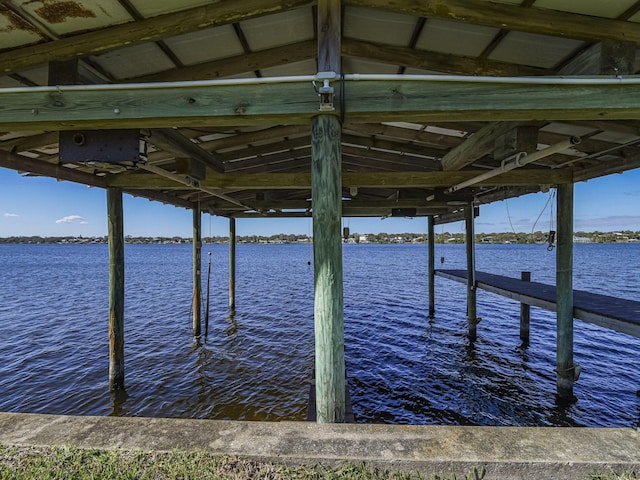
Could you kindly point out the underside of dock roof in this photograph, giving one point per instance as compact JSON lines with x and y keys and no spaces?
{"x":441,"y":103}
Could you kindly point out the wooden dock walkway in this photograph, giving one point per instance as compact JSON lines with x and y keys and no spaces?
{"x":614,"y":313}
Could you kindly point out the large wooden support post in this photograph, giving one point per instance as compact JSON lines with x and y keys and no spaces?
{"x":525,"y":313}
{"x":232,"y":263}
{"x":432,"y":267}
{"x":326,"y":186}
{"x":197,"y":270}
{"x":472,"y":318}
{"x":327,"y":256}
{"x":116,"y":288}
{"x":566,"y":372}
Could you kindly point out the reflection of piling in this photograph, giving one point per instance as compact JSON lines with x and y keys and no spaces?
{"x":116,"y":289}
{"x":525,"y":313}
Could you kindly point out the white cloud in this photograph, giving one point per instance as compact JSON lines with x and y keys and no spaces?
{"x":10,"y":215}
{"x":72,"y":219}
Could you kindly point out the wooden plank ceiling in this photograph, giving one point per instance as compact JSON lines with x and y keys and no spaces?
{"x":398,"y":162}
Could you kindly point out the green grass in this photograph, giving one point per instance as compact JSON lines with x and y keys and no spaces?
{"x":53,"y":463}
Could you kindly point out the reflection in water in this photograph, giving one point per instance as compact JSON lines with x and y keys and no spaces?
{"x":232,"y":329}
{"x":118,"y":399}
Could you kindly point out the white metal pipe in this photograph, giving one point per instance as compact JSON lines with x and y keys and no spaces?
{"x":518,"y":161}
{"x":349,"y":77}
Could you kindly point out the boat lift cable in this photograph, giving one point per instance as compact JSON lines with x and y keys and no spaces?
{"x":549,"y":241}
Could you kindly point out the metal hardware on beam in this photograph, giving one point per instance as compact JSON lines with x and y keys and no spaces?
{"x":515,"y":161}
{"x":325,"y":92}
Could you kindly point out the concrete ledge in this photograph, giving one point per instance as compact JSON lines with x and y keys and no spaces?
{"x":505,"y":452}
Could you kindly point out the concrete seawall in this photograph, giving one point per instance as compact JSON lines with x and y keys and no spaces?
{"x":505,"y":452}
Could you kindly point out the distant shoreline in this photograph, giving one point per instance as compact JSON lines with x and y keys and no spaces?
{"x":354,"y":238}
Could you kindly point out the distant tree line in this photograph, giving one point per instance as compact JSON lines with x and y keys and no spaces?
{"x":625,"y":236}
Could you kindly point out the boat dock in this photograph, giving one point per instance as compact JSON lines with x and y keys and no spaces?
{"x":618,"y":314}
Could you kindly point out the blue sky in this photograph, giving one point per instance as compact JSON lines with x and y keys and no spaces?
{"x":46,"y":207}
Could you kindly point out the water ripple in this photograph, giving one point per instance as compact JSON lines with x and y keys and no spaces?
{"x":402,"y":366}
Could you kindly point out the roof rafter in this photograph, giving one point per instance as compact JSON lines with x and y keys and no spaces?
{"x":226,"y":67}
{"x":409,"y":179}
{"x":436,"y":61}
{"x":148,"y":30}
{"x":513,"y":17}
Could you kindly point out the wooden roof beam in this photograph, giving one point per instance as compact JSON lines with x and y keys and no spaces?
{"x":391,"y":132}
{"x":513,"y":17}
{"x":476,"y":146}
{"x":288,"y":181}
{"x":603,"y":58}
{"x":264,"y":150}
{"x":138,"y":106}
{"x":53,"y":170}
{"x":240,"y":139}
{"x":436,"y":61}
{"x":148,"y":30}
{"x":227,"y":67}
{"x":174,"y":142}
{"x":398,"y":147}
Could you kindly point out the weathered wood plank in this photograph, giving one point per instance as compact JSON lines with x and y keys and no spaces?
{"x":616,"y":314}
{"x":211,"y":103}
{"x":258,"y":181}
{"x":347,"y":211}
{"x":519,"y":139}
{"x":329,"y":35}
{"x":435,"y":61}
{"x":476,"y":146}
{"x":266,"y":134}
{"x":603,"y":58}
{"x":513,"y":17}
{"x":148,"y":30}
{"x":226,"y":67}
{"x":173,"y":141}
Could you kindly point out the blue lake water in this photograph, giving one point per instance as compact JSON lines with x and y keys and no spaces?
{"x":403,"y":367}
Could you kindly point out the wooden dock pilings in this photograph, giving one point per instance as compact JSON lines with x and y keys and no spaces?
{"x":116,"y":288}
{"x":197,"y":271}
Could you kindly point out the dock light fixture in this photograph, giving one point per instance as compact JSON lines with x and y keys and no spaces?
{"x":325,"y":92}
